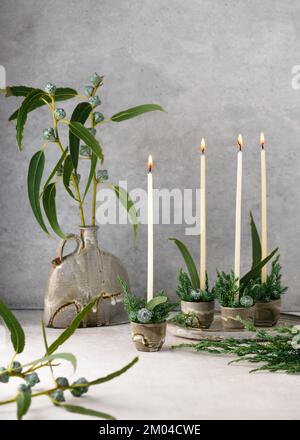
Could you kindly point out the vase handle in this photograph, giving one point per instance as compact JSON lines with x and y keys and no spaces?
{"x":61,"y":244}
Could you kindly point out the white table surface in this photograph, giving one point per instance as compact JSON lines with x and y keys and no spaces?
{"x":164,"y":385}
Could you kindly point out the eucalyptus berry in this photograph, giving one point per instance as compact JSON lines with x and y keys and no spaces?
{"x":50,"y":89}
{"x":102,"y":175}
{"x":58,"y":395}
{"x":78,"y":391}
{"x":17,"y":367}
{"x":144,"y":315}
{"x":92,"y":130}
{"x":32,"y":379}
{"x":59,"y":114}
{"x":96,"y":79}
{"x":23,"y":388}
{"x":49,"y":134}
{"x":4,"y":377}
{"x":62,"y":381}
{"x":98,"y":117}
{"x":94,"y":101}
{"x":85,"y":151}
{"x":246,"y":301}
{"x":196,"y":295}
{"x":88,"y":90}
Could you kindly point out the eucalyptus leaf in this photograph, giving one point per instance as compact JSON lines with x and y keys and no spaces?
{"x":191,"y":267}
{"x":253,"y":273}
{"x":50,"y":208}
{"x":68,"y":170}
{"x":79,"y":131}
{"x":16,"y":331}
{"x":135,"y":111}
{"x":86,"y":411}
{"x":44,"y":335}
{"x":115,"y":374}
{"x":80,"y":114}
{"x":23,"y":403}
{"x":56,"y":168}
{"x":51,"y":357}
{"x":18,"y":91}
{"x":31,"y":99}
{"x":65,"y":335}
{"x":128,"y":204}
{"x":94,"y":160}
{"x":61,"y":94}
{"x":156,"y":301}
{"x":35,"y":173}
{"x":256,"y":245}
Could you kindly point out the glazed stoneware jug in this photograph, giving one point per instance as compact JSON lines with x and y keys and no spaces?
{"x":78,"y":277}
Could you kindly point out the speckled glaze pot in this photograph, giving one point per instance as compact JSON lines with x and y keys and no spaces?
{"x":267,"y":314}
{"x":78,"y":277}
{"x":229,"y":316}
{"x":204,"y":311}
{"x":148,"y":337}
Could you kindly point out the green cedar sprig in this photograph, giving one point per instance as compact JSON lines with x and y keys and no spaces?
{"x":274,"y":350}
{"x":185,"y":320}
{"x":272,"y":289}
{"x":140,"y":311}
{"x":186,"y":292}
{"x":226,"y":289}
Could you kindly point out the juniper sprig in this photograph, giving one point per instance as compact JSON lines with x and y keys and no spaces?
{"x":274,"y":349}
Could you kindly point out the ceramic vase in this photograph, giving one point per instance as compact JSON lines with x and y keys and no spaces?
{"x":78,"y":277}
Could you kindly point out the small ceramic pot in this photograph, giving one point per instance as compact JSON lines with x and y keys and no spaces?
{"x":148,"y":337}
{"x":267,"y":313}
{"x":204,"y":311}
{"x":229,"y":316}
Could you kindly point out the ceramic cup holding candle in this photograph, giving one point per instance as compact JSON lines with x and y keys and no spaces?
{"x":148,"y":337}
{"x":203,"y":311}
{"x":230,"y":317}
{"x":267,"y":313}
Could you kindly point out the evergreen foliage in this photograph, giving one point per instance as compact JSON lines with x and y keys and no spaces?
{"x":158,"y":308}
{"x":274,"y":350}
{"x":186,"y":292}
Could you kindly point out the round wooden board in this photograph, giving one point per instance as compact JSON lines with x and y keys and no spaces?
{"x":217,"y":333}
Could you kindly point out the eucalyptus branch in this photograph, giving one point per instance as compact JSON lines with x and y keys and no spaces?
{"x":73,"y":179}
{"x":95,"y":183}
{"x":61,"y":384}
{"x":34,"y":99}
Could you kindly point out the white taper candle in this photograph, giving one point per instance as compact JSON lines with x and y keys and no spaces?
{"x":150,"y":231}
{"x":202,"y":218}
{"x":264,"y":249}
{"x":238,"y":210}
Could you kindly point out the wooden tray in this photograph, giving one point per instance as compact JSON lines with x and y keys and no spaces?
{"x":217,"y":333}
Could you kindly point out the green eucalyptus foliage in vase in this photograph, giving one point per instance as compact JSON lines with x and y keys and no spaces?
{"x":76,"y":278}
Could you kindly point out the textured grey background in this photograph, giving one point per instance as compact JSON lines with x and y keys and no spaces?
{"x":218,"y":67}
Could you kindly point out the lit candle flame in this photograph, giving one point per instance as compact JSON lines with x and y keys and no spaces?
{"x":202,"y":145}
{"x":150,"y":163}
{"x":262,"y":140}
{"x":240,"y":141}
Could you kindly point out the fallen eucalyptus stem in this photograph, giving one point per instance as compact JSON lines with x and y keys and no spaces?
{"x":56,"y":395}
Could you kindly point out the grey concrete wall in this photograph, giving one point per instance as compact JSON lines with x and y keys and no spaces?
{"x":218,"y":67}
